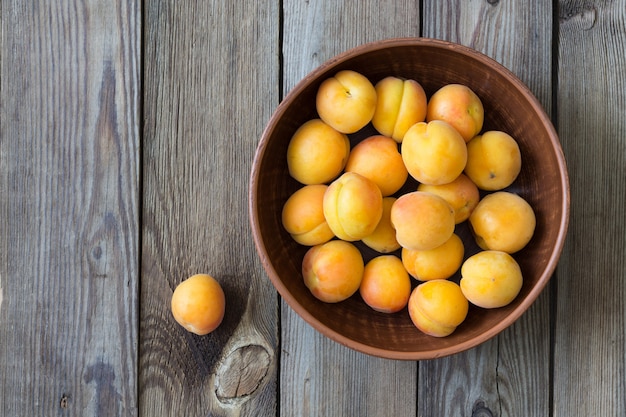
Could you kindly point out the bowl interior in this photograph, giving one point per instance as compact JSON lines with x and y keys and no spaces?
{"x":509,"y":106}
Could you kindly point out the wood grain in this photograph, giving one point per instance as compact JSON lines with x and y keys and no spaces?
{"x":85,"y":327}
{"x":591,"y":314}
{"x":69,"y":208}
{"x":318,"y":376}
{"x":493,"y":379}
{"x":211,"y":82}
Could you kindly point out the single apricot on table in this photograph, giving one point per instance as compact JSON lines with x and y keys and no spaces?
{"x":386,"y":285}
{"x":198,"y":304}
{"x":333,"y":270}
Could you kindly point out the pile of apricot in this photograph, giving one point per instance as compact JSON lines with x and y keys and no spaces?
{"x":357,"y":194}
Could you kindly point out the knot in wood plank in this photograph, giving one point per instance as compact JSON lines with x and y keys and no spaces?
{"x":480,"y":410}
{"x":108,"y":399}
{"x":241,"y":373}
{"x":582,"y":17}
{"x":64,"y":403}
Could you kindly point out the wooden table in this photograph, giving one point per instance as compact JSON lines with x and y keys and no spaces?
{"x":127,"y":135}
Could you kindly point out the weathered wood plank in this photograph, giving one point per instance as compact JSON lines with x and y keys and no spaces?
{"x":320,"y":377}
{"x":590,"y":345}
{"x":496,"y":377}
{"x":69,"y":208}
{"x":211,"y":82}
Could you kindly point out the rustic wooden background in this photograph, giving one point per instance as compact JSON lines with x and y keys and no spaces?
{"x":127,"y":134}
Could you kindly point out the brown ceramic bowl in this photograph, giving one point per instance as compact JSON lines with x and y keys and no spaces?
{"x":543,"y":182}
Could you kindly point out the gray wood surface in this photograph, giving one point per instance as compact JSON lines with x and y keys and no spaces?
{"x":127,"y":132}
{"x":590,"y":332}
{"x":69,"y":217}
{"x":69,"y":210}
{"x":210,"y":84}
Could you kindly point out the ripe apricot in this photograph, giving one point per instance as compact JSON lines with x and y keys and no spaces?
{"x":434,"y":152}
{"x":353,"y":206}
{"x":400,"y":104}
{"x":494,"y":160}
{"x":386,"y":285}
{"x":438,"y":263}
{"x":503,"y":221}
{"x":198,"y":304}
{"x":383,"y":238}
{"x":303,"y":216}
{"x":458,"y":105}
{"x":333,"y":270}
{"x":462,"y":195}
{"x":437,"y":307}
{"x":378,"y":158}
{"x":317,"y":153}
{"x":346,"y":101}
{"x":491,"y":279}
{"x":422,"y":220}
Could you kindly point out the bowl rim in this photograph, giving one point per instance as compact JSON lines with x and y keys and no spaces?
{"x":473,"y":341}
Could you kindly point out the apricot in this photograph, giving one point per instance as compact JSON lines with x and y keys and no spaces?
{"x":491,"y":279}
{"x":462,"y":195}
{"x":333,"y":270}
{"x":198,"y":304}
{"x":386,"y":285}
{"x":422,"y":220}
{"x":353,"y":206}
{"x":503,"y":221}
{"x":458,"y":105}
{"x":400,"y":104}
{"x":346,"y":101}
{"x":303,"y":216}
{"x":437,"y":307}
{"x":493,"y":160}
{"x":383,"y":238}
{"x":317,"y":153}
{"x":439,"y":263}
{"x":378,"y":158}
{"x":434,"y":152}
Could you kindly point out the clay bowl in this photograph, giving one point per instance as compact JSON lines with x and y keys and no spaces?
{"x":543,"y":182}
